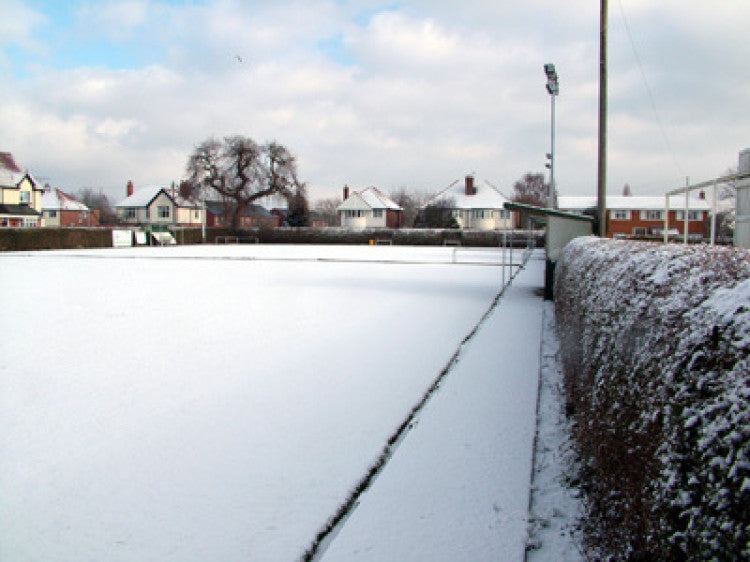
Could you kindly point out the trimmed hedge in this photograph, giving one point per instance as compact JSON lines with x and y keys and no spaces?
{"x":655,"y":349}
{"x":14,"y":239}
{"x":69,"y":238}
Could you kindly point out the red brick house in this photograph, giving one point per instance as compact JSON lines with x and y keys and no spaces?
{"x":643,"y":217}
{"x":61,"y":209}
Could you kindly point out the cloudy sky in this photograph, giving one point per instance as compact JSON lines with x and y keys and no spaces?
{"x":412,"y":93}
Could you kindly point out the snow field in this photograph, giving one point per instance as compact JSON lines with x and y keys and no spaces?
{"x":214,"y":405}
{"x":457,"y":487}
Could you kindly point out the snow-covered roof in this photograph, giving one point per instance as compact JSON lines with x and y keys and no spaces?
{"x":58,"y":200}
{"x":634,"y":203}
{"x":11,"y":173}
{"x":486,"y":196}
{"x":142,"y":197}
{"x":367,"y":199}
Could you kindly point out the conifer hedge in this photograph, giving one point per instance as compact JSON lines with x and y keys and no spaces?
{"x":655,"y":345}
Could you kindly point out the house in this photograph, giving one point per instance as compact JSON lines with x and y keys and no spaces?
{"x":60,"y":209}
{"x":369,"y":208}
{"x":643,"y":216}
{"x":219,"y":214}
{"x":158,"y":206}
{"x":20,"y":195}
{"x":476,"y":206}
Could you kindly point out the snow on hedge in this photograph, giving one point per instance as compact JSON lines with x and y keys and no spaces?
{"x":655,"y":344}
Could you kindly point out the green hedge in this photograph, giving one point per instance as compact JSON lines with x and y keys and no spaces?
{"x":13,"y":239}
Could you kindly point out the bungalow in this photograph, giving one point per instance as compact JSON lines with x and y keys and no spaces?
{"x":20,"y":195}
{"x":158,"y":206}
{"x":369,"y":208}
{"x":61,"y":209}
{"x":643,"y":216}
{"x":477,"y":207}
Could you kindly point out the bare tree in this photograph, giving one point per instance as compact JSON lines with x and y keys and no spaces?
{"x":241,"y":171}
{"x":410,"y":202}
{"x":98,"y":201}
{"x":726,"y":216}
{"x":326,"y":208}
{"x":531,"y":190}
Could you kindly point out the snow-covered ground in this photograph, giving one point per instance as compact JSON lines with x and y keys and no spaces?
{"x":198,"y":403}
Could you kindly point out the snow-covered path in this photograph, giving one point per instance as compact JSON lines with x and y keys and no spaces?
{"x":457,"y":488}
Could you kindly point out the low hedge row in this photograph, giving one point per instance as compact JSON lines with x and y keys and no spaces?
{"x":655,"y":345}
{"x":15,"y":239}
{"x":67,"y":238}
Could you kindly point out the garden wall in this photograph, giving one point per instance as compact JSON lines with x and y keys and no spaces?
{"x":655,"y":344}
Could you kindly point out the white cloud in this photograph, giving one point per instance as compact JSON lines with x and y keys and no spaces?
{"x":415,"y":95}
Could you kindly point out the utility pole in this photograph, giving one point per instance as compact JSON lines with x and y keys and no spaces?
{"x":602,"y":175}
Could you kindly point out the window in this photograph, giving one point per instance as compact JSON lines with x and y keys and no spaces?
{"x":640,"y":231}
{"x":620,"y":215}
{"x":478,"y":213}
{"x":504,"y":214}
{"x":197,"y":214}
{"x":24,"y":197}
{"x":692,"y":215}
{"x":353,"y":214}
{"x":163,"y":211}
{"x":377,"y":213}
{"x":652,"y":215}
{"x":52,"y":214}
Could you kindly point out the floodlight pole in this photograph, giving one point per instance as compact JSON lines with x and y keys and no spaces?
{"x":553,"y":87}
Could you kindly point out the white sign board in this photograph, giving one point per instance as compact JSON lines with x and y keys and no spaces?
{"x":122,"y":238}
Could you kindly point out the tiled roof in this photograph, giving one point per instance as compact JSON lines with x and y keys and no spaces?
{"x":141,"y":197}
{"x":11,"y":173}
{"x":486,"y":196}
{"x":370,"y":198}
{"x":24,"y":210}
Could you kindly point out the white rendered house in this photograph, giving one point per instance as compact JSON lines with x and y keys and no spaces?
{"x":369,"y":208}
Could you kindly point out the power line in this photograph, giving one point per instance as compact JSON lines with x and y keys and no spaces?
{"x":650,"y":93}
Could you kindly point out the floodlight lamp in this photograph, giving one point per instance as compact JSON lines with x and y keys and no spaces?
{"x":549,"y":156}
{"x":549,"y":69}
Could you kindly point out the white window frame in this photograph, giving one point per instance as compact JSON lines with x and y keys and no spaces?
{"x":652,"y":215}
{"x":377,"y":213}
{"x":24,"y":198}
{"x":162,"y":211}
{"x":692,"y":215}
{"x":620,"y":215}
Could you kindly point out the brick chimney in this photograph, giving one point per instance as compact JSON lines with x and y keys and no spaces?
{"x":346,"y":192}
{"x":130,"y":188}
{"x":701,"y":194}
{"x":470,"y":185}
